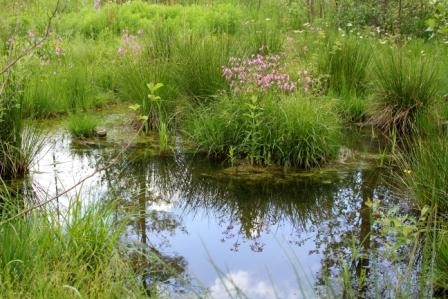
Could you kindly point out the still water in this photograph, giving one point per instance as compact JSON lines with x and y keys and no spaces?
{"x":276,"y":233}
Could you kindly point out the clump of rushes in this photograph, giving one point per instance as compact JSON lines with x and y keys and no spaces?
{"x":266,"y":130}
{"x":426,"y":173}
{"x":40,"y":258}
{"x":406,"y":89}
{"x":82,"y":125}
{"x":346,"y":65}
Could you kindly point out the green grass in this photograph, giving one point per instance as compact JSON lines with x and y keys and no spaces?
{"x":441,"y":263}
{"x":82,"y":125}
{"x":346,"y":62}
{"x":289,"y":131}
{"x":200,"y":59}
{"x":427,"y":173}
{"x":406,"y":90}
{"x":42,"y":258}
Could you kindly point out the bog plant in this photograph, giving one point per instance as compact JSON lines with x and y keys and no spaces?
{"x":426,"y":173}
{"x":82,"y":125}
{"x":263,"y":130}
{"x":406,"y":90}
{"x":346,"y":64}
{"x":42,"y":258}
{"x":151,"y":111}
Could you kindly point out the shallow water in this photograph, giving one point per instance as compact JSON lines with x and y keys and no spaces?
{"x":276,"y":233}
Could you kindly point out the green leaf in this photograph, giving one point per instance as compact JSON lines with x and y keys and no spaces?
{"x":134,"y":107}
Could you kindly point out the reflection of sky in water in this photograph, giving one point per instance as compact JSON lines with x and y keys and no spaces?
{"x":254,"y":233}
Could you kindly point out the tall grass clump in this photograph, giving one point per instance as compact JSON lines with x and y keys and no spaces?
{"x":19,"y":145}
{"x":42,"y":258}
{"x":58,"y":89}
{"x":346,"y":65}
{"x":406,"y":90}
{"x":266,"y":130}
{"x":82,"y":125}
{"x":426,"y":173}
{"x":200,"y":59}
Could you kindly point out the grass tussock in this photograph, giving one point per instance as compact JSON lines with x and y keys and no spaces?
{"x":42,"y":258}
{"x":346,"y":64}
{"x":406,"y":89}
{"x":287,"y":131}
{"x":426,"y":173}
{"x":441,"y":264}
{"x":82,"y":125}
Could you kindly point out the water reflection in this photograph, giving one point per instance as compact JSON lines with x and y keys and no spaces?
{"x":188,"y":209}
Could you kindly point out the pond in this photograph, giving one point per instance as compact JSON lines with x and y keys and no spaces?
{"x":272,"y":232}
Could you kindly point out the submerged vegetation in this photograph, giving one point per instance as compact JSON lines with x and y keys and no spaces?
{"x":251,"y":84}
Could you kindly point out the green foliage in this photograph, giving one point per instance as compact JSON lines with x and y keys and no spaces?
{"x":200,"y":60}
{"x":406,"y":89}
{"x":441,"y":262}
{"x":427,"y":172}
{"x":402,"y":17}
{"x":346,"y":64}
{"x":164,"y":137}
{"x":287,"y":131}
{"x":19,"y":145}
{"x":136,"y":15}
{"x":41,"y":258}
{"x":353,"y":109}
{"x":438,"y":23}
{"x":82,"y":125}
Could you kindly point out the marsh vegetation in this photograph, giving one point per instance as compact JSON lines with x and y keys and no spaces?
{"x":308,"y":136}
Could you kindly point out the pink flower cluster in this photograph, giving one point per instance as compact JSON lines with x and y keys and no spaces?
{"x":129,"y":43}
{"x":258,"y":72}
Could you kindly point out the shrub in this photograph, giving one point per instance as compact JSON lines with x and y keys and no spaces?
{"x":264,"y":130}
{"x":82,"y":125}
{"x":406,"y":89}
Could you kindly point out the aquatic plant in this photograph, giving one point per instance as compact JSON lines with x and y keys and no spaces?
{"x":288,"y":131}
{"x":199,"y":59}
{"x":164,"y":137}
{"x":406,"y":89}
{"x":82,"y":125}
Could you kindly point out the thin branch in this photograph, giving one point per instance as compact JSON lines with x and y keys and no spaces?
{"x":41,"y":204}
{"x":36,"y":43}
